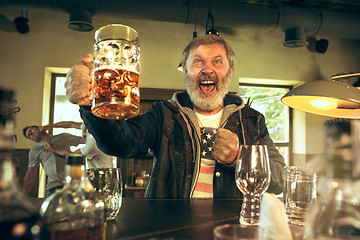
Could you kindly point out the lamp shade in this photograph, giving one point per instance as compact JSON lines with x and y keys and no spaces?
{"x":326,"y":98}
{"x":80,"y":19}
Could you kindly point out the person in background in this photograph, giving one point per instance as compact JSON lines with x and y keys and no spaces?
{"x":95,"y":158}
{"x":53,"y":164}
{"x":195,"y":136}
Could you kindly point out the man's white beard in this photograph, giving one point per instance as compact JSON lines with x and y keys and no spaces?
{"x":204,"y":102}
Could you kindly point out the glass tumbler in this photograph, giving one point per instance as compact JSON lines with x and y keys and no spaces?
{"x":299,"y":193}
{"x":117,"y":72}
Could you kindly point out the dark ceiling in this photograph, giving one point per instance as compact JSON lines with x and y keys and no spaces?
{"x":316,"y":17}
{"x":336,"y":5}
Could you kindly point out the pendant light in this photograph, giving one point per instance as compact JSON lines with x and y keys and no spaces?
{"x":80,"y":19}
{"x":212,"y":30}
{"x":334,"y":98}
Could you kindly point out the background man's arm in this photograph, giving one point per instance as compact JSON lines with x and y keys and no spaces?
{"x":29,"y":179}
{"x":63,"y":124}
{"x":61,"y":152}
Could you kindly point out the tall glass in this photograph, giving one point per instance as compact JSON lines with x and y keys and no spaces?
{"x":116,"y":76}
{"x":299,"y":193}
{"x":252,"y":176}
{"x":107,"y":182}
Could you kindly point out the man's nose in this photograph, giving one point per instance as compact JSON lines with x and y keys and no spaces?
{"x":207,"y":69}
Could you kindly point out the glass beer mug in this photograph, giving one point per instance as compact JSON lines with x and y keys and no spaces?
{"x":116,"y":75}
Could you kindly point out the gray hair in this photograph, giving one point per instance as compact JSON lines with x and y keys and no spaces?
{"x":207,"y":40}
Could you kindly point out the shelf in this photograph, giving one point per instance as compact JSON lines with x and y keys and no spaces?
{"x":134,"y":192}
{"x":134,"y":188}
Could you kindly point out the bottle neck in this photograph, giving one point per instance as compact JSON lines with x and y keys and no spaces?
{"x":75,"y":173}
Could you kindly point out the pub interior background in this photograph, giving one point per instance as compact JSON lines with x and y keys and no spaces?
{"x":51,"y":47}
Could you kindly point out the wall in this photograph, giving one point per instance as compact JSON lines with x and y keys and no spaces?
{"x":259,"y":54}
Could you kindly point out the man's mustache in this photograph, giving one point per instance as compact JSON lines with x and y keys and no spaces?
{"x":203,"y":77}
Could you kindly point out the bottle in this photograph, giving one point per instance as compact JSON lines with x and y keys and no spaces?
{"x":76,"y":211}
{"x":18,"y":217}
{"x":337,"y":212}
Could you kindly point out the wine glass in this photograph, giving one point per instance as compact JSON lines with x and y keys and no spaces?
{"x":107,"y":182}
{"x":252,"y":176}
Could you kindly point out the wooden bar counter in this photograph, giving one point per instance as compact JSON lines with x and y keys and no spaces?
{"x":171,"y":219}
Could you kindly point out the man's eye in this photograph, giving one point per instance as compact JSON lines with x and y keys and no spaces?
{"x":197,"y":62}
{"x":217,"y":62}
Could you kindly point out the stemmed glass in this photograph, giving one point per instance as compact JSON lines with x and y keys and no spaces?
{"x":107,"y":182}
{"x":252,"y":176}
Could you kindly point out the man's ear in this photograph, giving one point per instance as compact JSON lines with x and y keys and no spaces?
{"x":231,"y":72}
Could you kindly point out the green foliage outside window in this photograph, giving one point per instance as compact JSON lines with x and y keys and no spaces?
{"x":267,"y":100}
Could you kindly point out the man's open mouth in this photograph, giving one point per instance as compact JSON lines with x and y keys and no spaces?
{"x":207,"y":86}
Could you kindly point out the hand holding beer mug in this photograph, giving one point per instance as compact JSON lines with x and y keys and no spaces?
{"x":116,"y":75}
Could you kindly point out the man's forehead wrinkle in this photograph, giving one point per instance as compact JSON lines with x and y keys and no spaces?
{"x":200,"y":56}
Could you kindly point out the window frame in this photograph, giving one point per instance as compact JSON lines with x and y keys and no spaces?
{"x":53,"y":115}
{"x":54,"y":76}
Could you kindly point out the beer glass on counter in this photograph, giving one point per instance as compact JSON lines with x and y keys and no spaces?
{"x":116,"y":75}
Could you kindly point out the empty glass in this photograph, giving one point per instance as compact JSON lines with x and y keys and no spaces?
{"x":299,"y":193}
{"x":107,"y":182}
{"x":252,"y":176}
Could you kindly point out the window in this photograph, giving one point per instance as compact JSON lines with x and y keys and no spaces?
{"x":267,"y":100}
{"x":60,"y":107}
{"x":57,"y":109}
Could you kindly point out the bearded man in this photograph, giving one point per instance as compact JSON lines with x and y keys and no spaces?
{"x":195,"y":136}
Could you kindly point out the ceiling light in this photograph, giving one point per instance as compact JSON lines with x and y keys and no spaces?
{"x":352,"y":79}
{"x":180,"y":68}
{"x":80,"y":19}
{"x":212,"y":30}
{"x":295,"y":37}
{"x":326,"y":98}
